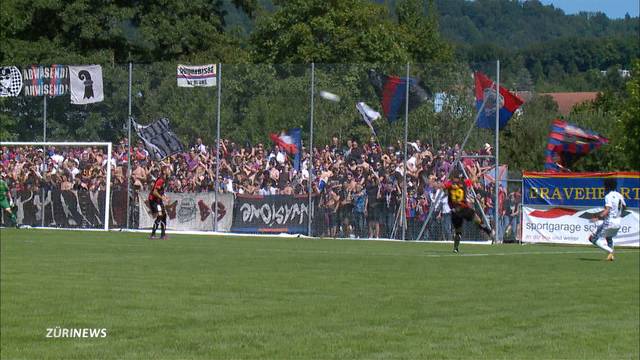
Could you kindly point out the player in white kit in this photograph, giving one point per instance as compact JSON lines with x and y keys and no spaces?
{"x":613,"y":206}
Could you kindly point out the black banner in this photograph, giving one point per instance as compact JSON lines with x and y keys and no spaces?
{"x":70,"y":208}
{"x":45,"y":80}
{"x":271,"y":214}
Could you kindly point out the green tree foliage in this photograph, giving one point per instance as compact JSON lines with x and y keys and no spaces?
{"x":70,"y":31}
{"x":421,"y":35}
{"x":630,"y":120}
{"x":519,"y":24}
{"x":336,"y":31}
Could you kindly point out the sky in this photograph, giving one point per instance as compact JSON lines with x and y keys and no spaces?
{"x":614,"y":9}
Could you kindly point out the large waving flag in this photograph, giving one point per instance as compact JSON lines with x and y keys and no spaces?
{"x":486,"y":91}
{"x":568,"y":143}
{"x":159,"y":139}
{"x":291,"y":142}
{"x":392,"y":92}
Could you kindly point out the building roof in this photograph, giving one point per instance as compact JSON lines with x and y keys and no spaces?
{"x":567,"y":100}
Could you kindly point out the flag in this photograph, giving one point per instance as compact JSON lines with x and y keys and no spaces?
{"x":291,"y":142}
{"x":10,"y":81}
{"x":567,"y":143}
{"x":158,"y":139}
{"x":368,"y":115}
{"x":490,"y":175}
{"x":86,"y":84}
{"x":392,"y":92}
{"x":199,"y":75}
{"x":486,"y":91}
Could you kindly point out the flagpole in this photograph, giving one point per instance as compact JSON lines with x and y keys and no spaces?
{"x":44,"y":151}
{"x":217,"y":185}
{"x":496,"y":204}
{"x":404,"y":182}
{"x":129,"y":150}
{"x":310,"y":151}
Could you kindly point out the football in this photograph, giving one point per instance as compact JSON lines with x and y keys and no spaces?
{"x":329,"y":96}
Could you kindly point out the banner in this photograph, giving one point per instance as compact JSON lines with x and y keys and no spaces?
{"x":193,"y":76}
{"x":10,"y":81}
{"x":190,"y":211}
{"x":573,"y":226}
{"x":577,"y":189}
{"x":271,"y":214}
{"x":86,"y":84}
{"x":45,"y":80}
{"x":158,"y":139}
{"x":558,"y":207}
{"x":70,"y":208}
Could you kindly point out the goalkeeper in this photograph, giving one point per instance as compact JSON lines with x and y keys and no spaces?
{"x":461,"y":210}
{"x":5,"y":199}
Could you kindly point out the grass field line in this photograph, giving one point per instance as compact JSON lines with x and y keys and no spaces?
{"x":351,"y":253}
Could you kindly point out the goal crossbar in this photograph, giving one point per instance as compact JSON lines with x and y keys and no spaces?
{"x":65,"y":143}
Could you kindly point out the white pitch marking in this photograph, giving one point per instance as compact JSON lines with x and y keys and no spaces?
{"x":442,"y":255}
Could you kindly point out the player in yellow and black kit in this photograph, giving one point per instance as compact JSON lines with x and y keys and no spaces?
{"x":461,"y":209}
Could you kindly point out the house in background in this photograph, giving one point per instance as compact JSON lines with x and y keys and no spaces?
{"x":567,"y":100}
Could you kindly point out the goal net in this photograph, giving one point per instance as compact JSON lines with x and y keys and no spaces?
{"x":59,"y":184}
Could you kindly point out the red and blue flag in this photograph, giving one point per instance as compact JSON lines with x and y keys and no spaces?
{"x":392,"y":92}
{"x":486,"y":93}
{"x":291,"y":142}
{"x":568,"y":143}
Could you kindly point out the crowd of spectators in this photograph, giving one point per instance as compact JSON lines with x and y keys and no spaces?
{"x":359,"y":185}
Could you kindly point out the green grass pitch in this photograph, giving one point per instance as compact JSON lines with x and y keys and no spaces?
{"x":215,"y":297}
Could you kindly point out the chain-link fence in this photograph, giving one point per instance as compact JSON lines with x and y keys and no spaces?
{"x":331,"y":150}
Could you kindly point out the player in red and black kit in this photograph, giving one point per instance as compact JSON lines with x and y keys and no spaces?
{"x":157,"y":205}
{"x":461,"y":209}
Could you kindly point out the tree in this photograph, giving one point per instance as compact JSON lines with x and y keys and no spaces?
{"x":77,"y":31}
{"x":630,"y":120}
{"x":336,"y":31}
{"x":421,"y":35}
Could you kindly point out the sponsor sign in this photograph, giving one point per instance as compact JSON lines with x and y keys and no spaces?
{"x":573,"y":226}
{"x":559,"y":207}
{"x":194,"y":76}
{"x":271,"y":214}
{"x":578,"y":189}
{"x":190,"y":211}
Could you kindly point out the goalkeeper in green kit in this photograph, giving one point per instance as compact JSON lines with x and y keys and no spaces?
{"x":5,"y":200}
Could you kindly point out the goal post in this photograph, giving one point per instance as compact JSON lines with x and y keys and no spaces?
{"x":108,"y":154}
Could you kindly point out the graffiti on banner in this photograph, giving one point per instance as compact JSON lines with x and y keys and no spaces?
{"x":45,"y":80}
{"x":271,"y":214}
{"x":190,"y":211}
{"x":69,"y":208}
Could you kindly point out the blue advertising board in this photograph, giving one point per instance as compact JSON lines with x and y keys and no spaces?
{"x":577,"y":189}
